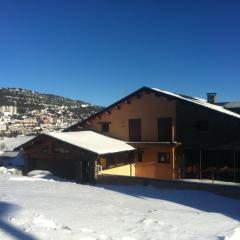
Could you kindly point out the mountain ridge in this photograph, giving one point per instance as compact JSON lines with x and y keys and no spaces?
{"x":28,"y":101}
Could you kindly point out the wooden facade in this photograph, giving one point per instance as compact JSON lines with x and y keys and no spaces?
{"x":207,"y":136}
{"x":68,"y":155}
{"x":60,"y":158}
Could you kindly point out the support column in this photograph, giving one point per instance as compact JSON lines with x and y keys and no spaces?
{"x":173,"y":163}
{"x":173,"y":154}
{"x":26,"y":164}
{"x":234,"y":165}
{"x":79,"y":171}
{"x":200,"y":164}
{"x":173,"y":133}
{"x":92,"y":172}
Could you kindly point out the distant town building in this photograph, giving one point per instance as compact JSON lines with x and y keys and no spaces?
{"x":3,"y":127}
{"x":47,"y":119}
{"x":8,"y":110}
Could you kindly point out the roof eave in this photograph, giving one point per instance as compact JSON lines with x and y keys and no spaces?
{"x":153,"y":90}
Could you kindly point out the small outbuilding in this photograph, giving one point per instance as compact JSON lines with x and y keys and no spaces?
{"x":73,"y":155}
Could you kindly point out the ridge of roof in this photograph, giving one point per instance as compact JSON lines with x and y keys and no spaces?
{"x":199,"y":102}
{"x":194,"y":100}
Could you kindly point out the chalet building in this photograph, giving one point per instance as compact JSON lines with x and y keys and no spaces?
{"x":176,"y":136}
{"x":163,"y":136}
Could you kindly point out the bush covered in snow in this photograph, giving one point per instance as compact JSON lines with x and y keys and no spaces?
{"x":42,"y":174}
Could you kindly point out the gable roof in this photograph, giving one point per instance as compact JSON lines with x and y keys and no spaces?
{"x":91,"y":141}
{"x":193,"y":100}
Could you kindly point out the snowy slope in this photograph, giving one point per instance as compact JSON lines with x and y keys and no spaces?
{"x":41,"y":209}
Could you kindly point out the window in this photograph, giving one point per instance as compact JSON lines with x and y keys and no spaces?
{"x":44,"y":150}
{"x":135,"y":131}
{"x":139,"y":155}
{"x":164,"y":129}
{"x":201,"y":125}
{"x":111,"y":161}
{"x":163,"y":157}
{"x":104,"y":126}
{"x":117,"y":159}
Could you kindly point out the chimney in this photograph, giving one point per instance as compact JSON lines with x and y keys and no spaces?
{"x":211,"y":97}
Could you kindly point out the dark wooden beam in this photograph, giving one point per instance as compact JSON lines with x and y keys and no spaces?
{"x":60,"y":156}
{"x":147,"y":91}
{"x":117,"y":107}
{"x":200,"y":164}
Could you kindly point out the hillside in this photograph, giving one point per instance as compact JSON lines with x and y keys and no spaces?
{"x":28,"y":102}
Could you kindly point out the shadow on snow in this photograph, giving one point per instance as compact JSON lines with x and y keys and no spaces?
{"x":200,"y":200}
{"x":6,"y":208}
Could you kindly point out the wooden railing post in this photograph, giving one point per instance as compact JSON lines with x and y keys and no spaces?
{"x":200,"y":164}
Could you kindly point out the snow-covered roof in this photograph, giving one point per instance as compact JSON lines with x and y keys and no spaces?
{"x":231,"y":105}
{"x":199,"y":102}
{"x":13,"y":143}
{"x":11,"y":154}
{"x":92,"y":141}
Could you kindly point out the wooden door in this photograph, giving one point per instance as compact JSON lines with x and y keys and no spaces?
{"x":165,"y":129}
{"x":135,"y":131}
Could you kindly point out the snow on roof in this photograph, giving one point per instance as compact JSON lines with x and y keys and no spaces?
{"x":199,"y":102}
{"x":13,"y":143}
{"x":92,"y":141}
{"x":232,"y":105}
{"x":11,"y":154}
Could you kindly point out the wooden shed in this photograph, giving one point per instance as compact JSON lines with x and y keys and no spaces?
{"x":71,"y":155}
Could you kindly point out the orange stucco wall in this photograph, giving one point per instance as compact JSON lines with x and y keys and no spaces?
{"x":126,"y":170}
{"x":148,"y":108}
{"x":150,"y":167}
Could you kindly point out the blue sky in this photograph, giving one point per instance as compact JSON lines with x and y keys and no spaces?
{"x":99,"y":50}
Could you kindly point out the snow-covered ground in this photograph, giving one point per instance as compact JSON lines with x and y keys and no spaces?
{"x":32,"y":208}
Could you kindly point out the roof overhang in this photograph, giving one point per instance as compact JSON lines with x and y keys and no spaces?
{"x":90,"y":141}
{"x":179,"y":97}
{"x":171,"y":144}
